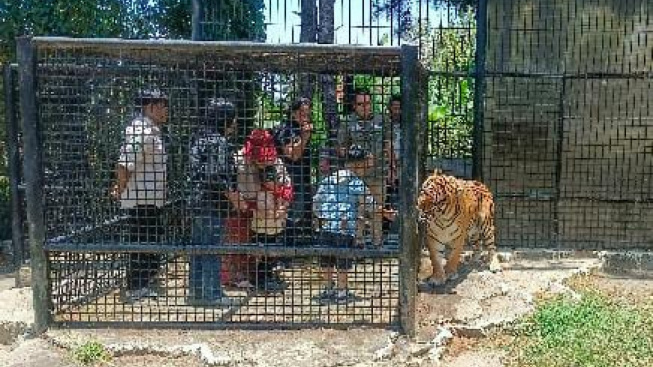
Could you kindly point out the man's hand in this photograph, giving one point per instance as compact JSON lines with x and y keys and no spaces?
{"x":390,"y":214}
{"x":387,"y":151}
{"x":115,"y":192}
{"x":281,"y":212}
{"x":306,"y":130}
{"x":237,"y":201}
{"x":122,"y":176}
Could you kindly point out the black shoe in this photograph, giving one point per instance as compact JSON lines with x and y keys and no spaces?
{"x":272,"y":283}
{"x":223,"y":301}
{"x":133,"y":296}
{"x":344,"y":296}
{"x":326,"y":297}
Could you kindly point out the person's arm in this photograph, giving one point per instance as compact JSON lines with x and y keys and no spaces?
{"x":387,"y":140}
{"x":375,"y":213}
{"x":281,"y":209}
{"x":228,"y":178}
{"x":305,"y":135}
{"x":284,"y":189}
{"x":237,"y":201}
{"x":122,"y":177}
{"x":130,"y":153}
{"x":343,"y":139}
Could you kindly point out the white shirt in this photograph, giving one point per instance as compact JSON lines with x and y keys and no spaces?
{"x":143,"y":154}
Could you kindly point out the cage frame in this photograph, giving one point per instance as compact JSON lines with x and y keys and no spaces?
{"x":413,"y":109}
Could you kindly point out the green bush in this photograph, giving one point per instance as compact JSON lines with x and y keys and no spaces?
{"x":90,"y":353}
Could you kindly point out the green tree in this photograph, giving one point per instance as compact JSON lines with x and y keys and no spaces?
{"x":403,"y":12}
{"x":233,"y":20}
{"x":448,"y":52}
{"x":116,"y":19}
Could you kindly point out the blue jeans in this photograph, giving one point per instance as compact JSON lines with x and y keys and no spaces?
{"x":204,"y":273}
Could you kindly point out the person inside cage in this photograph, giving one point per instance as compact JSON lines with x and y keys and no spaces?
{"x":265,"y":184}
{"x":214,"y":194}
{"x":372,"y":132}
{"x":344,"y":205}
{"x":141,"y":188}
{"x":293,"y":138}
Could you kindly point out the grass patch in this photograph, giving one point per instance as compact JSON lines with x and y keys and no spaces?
{"x":90,"y":353}
{"x":593,"y":331}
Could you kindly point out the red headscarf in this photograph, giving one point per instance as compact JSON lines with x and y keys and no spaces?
{"x":260,"y":147}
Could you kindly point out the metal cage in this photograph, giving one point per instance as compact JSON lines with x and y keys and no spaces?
{"x":77,"y":98}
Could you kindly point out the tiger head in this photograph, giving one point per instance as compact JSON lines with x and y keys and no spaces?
{"x":434,"y":194}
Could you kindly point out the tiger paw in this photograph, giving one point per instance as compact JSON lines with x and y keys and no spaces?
{"x":436,"y":282}
{"x":495,"y":266}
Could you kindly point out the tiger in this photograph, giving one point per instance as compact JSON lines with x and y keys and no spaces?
{"x":456,"y":211}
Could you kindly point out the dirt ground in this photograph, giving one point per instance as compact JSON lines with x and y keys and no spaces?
{"x":635,"y":290}
{"x":480,"y":352}
{"x":477,"y":299}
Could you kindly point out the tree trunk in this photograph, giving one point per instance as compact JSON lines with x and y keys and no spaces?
{"x":308,"y":31}
{"x":328,"y":84}
{"x":307,"y":34}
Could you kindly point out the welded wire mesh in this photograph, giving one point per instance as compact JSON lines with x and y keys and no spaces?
{"x":567,"y":123}
{"x":190,"y":183}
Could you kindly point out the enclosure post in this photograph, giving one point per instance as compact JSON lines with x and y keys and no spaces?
{"x":33,"y":168}
{"x":328,"y":82}
{"x":14,"y":173}
{"x":479,"y":90}
{"x":408,"y":184}
{"x":197,"y":19}
{"x":558,"y":168}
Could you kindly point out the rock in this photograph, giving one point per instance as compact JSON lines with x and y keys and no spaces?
{"x":476,"y":359}
{"x":35,"y":353}
{"x":16,"y":314}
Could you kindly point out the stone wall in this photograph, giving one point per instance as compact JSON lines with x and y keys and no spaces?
{"x":568,"y":127}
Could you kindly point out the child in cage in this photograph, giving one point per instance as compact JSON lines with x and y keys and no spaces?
{"x":343,"y":206}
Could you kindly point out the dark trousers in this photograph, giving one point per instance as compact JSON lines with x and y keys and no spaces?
{"x":145,"y":226}
{"x":265,"y":267}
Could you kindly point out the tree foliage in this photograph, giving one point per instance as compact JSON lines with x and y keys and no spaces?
{"x":449,"y":53}
{"x":403,"y":13}
{"x":129,"y":19}
{"x":233,"y":20}
{"x":230,"y":20}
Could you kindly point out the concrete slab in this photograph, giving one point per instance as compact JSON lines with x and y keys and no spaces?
{"x":469,"y":306}
{"x":36,"y":353}
{"x":16,"y":314}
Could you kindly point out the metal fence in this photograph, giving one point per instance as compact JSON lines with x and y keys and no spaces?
{"x":190,"y":257}
{"x":19,"y":251}
{"x":567,"y":123}
{"x":545,"y":101}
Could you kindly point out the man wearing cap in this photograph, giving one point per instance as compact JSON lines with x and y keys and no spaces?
{"x":141,"y":188}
